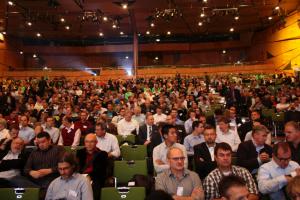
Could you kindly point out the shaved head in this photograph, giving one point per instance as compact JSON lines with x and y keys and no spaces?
{"x":90,"y":142}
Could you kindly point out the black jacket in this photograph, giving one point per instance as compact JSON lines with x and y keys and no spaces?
{"x":100,"y":162}
{"x":19,"y":163}
{"x":142,"y":135}
{"x":247,"y":155}
{"x":203,"y":161}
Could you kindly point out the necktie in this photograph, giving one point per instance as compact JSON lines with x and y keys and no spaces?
{"x":150,"y":131}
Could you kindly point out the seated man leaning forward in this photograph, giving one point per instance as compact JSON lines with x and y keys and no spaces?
{"x":181,"y":183}
{"x":70,"y":185}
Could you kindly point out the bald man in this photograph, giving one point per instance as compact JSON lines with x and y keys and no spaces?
{"x":179,"y":182}
{"x":93,"y":161}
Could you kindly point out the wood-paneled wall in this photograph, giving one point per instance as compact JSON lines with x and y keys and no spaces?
{"x":280,"y":44}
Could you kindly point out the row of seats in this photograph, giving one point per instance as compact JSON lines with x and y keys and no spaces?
{"x":108,"y":193}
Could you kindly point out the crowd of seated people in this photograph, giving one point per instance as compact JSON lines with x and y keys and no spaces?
{"x":196,"y":131}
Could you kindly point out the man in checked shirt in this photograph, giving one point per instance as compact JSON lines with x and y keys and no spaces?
{"x":223,"y":154}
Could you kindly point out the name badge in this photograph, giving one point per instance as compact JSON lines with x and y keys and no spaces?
{"x":179,"y":191}
{"x":72,"y":193}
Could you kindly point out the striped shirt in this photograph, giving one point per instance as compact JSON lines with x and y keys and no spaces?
{"x":213,"y":179}
{"x":44,"y":159}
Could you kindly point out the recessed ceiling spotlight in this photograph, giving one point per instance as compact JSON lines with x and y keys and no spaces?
{"x":34,"y":55}
{"x":114,"y":26}
{"x":200,"y":23}
{"x":157,"y":40}
{"x":10,"y":3}
{"x":105,"y":18}
{"x":277,"y":8}
{"x":29,"y":24}
{"x":121,"y":33}
{"x":124,"y":6}
{"x":4,"y":33}
{"x":152,"y":24}
{"x":236,"y":17}
{"x":204,"y":1}
{"x":127,"y":57}
{"x":224,"y":51}
{"x":101,"y":34}
{"x":62,"y":19}
{"x":169,"y":33}
{"x":156,"y":58}
{"x":270,"y":18}
{"x":231,"y":29}
{"x":202,"y":15}
{"x":21,"y":52}
{"x":148,"y":32}
{"x":38,"y":35}
{"x":67,"y":27}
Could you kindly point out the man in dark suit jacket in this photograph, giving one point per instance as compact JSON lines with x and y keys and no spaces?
{"x":147,"y":132}
{"x":253,"y":153}
{"x":93,"y":161}
{"x":204,"y":153}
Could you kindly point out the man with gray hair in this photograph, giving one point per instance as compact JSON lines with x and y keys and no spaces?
{"x":178,"y":181}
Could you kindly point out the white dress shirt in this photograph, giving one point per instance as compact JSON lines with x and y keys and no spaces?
{"x":159,"y":118}
{"x":4,"y":134}
{"x":109,"y":143}
{"x":53,"y":132}
{"x":125,"y":128}
{"x":231,"y":138}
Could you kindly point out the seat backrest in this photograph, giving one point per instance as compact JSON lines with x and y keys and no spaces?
{"x":19,"y":193}
{"x":125,"y":170}
{"x":132,"y":193}
{"x":134,"y":152}
{"x":129,"y":139}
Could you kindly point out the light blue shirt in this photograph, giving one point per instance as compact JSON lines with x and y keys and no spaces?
{"x":26,"y":133}
{"x":76,"y":187}
{"x":190,"y":141}
{"x":271,"y":179}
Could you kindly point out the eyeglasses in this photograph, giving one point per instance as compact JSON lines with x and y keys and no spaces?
{"x":284,"y":159}
{"x":178,"y":158}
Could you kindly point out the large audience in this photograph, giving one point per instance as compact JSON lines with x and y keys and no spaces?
{"x":208,"y":137}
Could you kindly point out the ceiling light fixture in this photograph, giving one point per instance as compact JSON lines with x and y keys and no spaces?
{"x":157,"y":40}
{"x":29,"y":24}
{"x":10,"y":3}
{"x":231,"y":29}
{"x":21,"y":52}
{"x":38,"y":35}
{"x":114,"y":26}
{"x":200,"y":23}
{"x":67,"y":27}
{"x":156,"y":58}
{"x":124,"y":6}
{"x":277,"y":8}
{"x":101,"y":34}
{"x":169,"y":33}
{"x":270,"y":18}
{"x":62,"y":19}
{"x":224,"y":51}
{"x":34,"y":55}
{"x":121,"y":33}
{"x":4,"y":33}
{"x":148,"y":32}
{"x":152,"y":24}
{"x":127,"y":57}
{"x":105,"y":18}
{"x":236,"y":17}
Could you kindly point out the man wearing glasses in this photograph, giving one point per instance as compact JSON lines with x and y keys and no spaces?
{"x":276,"y":174}
{"x":179,"y":182}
